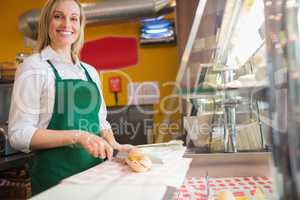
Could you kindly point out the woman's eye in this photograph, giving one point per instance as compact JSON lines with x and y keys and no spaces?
{"x":57,"y":16}
{"x":75,"y":19}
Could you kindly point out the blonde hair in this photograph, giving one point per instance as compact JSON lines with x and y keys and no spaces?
{"x":44,"y":22}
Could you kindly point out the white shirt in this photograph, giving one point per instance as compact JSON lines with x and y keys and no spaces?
{"x":34,"y":95}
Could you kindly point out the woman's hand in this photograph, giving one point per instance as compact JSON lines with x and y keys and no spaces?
{"x":109,"y":137}
{"x":124,"y":148}
{"x":95,"y":145}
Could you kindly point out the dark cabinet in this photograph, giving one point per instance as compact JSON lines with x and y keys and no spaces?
{"x":131,"y":124}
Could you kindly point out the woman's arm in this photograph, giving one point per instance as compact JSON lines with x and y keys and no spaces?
{"x":44,"y":139}
{"x":25,"y":108}
{"x":25,"y":129}
{"x":95,"y":145}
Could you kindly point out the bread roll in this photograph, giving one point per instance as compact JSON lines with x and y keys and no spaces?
{"x":225,"y":195}
{"x":137,"y":161}
{"x":259,"y":195}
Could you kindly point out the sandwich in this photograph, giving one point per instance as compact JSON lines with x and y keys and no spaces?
{"x":225,"y":195}
{"x":138,"y":161}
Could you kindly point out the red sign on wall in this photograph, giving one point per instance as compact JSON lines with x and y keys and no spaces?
{"x":111,"y":52}
{"x":115,"y":84}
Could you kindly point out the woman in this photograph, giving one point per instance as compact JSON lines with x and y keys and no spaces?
{"x":57,"y":102}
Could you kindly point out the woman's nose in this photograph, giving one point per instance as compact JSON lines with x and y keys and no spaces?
{"x":66,"y":22}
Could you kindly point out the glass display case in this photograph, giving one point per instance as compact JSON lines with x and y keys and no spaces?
{"x":226,"y":90}
{"x":240,"y":84}
{"x":224,"y":80}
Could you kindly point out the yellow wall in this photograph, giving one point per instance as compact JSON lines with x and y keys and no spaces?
{"x":155,"y":63}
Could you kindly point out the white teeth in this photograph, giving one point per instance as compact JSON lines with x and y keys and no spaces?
{"x":65,"y":32}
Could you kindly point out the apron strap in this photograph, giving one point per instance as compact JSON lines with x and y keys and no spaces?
{"x":57,"y":76}
{"x":86,"y":73}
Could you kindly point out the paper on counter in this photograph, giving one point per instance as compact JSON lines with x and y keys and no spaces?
{"x":114,"y":180}
{"x":160,"y":154}
{"x":171,"y":173}
{"x":108,"y":192}
{"x":166,"y":154}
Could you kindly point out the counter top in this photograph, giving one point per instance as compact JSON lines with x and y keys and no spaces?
{"x":230,"y":164}
{"x":15,"y":160}
{"x":128,"y":186}
{"x":115,"y":180}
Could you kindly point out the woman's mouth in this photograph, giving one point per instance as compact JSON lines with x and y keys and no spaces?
{"x":64,"y":32}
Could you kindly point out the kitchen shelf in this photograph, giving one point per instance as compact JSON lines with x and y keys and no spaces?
{"x":259,"y":92}
{"x":6,"y":82}
{"x":15,"y":160}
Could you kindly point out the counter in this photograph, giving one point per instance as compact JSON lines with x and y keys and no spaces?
{"x":230,"y":164}
{"x":215,"y":165}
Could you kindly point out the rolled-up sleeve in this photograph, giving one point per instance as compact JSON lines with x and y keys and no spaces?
{"x":25,"y":105}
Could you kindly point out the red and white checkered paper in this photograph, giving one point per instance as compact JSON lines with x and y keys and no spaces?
{"x":196,"y":188}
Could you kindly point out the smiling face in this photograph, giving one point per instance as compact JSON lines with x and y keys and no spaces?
{"x":64,"y":27}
